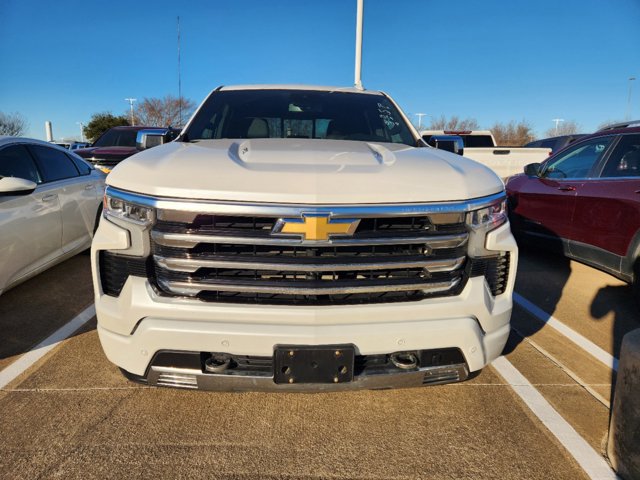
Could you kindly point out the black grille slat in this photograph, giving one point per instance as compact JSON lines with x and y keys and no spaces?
{"x":262,"y":226}
{"x":116,"y":268}
{"x":290,"y":286}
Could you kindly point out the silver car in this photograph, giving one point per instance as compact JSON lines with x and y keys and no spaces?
{"x":50,"y":202}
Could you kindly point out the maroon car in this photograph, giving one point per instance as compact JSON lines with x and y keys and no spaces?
{"x":584,"y":201}
{"x":118,"y":143}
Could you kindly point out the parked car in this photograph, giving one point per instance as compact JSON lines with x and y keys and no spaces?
{"x":585,"y":202}
{"x":555,"y":143}
{"x":77,"y":145}
{"x":118,"y":143}
{"x":50,"y":203}
{"x":480,"y":145}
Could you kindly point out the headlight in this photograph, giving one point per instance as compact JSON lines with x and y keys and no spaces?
{"x":129,"y":212}
{"x":489,"y":217}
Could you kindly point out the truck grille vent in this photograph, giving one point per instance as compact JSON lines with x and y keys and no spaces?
{"x":116,"y":268}
{"x":237,"y":259}
{"x":495,"y":270}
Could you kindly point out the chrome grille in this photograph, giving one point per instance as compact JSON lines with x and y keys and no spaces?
{"x":225,"y":258}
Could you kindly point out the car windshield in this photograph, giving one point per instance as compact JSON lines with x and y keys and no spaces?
{"x":117,"y":138}
{"x":299,"y":114}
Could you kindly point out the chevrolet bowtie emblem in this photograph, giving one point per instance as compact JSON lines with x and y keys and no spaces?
{"x":316,"y":227}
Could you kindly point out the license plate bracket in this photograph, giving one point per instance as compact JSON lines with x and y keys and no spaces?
{"x":313,"y":364}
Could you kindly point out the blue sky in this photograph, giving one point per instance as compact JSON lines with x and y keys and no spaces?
{"x":491,"y":60}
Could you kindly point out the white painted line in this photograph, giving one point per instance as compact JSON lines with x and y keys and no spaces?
{"x":591,"y":462}
{"x":36,"y":353}
{"x":567,"y":370}
{"x":587,"y":345}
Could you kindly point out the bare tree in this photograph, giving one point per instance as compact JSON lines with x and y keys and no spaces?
{"x":453,"y":123}
{"x":608,"y":122}
{"x":565,"y":128}
{"x":512,"y":134}
{"x":13,"y":125}
{"x":163,"y":112}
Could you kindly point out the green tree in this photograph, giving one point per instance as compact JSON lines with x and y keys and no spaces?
{"x":101,"y":122}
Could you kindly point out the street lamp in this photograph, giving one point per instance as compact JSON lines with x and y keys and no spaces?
{"x":628,"y":117}
{"x":81,"y":130}
{"x":131,"y":100}
{"x":420,"y":115}
{"x":557,"y":120}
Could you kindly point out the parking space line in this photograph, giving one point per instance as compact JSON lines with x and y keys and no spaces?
{"x":589,"y":460}
{"x":12,"y":371}
{"x":587,"y":345}
{"x":567,"y":370}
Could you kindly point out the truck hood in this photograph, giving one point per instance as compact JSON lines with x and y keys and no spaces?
{"x":303,"y":171}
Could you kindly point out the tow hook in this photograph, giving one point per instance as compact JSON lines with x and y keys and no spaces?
{"x":404,"y":360}
{"x":217,"y":363}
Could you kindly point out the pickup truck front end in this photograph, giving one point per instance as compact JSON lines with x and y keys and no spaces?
{"x":222,"y":294}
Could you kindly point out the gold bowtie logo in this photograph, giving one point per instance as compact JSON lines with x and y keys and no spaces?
{"x":316,"y":227}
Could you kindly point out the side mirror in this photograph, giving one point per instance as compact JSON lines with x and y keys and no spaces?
{"x":449,"y":143}
{"x":16,"y":186}
{"x":532,"y":170}
{"x":150,"y":138}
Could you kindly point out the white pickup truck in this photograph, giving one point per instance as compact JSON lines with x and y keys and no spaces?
{"x":480,"y":145}
{"x":302,"y":238}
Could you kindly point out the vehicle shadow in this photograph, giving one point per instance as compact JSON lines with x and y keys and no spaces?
{"x":32,"y":311}
{"x":543,"y":272}
{"x":618,"y":301}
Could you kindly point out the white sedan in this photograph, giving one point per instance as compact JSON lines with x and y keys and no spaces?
{"x":50,"y":202}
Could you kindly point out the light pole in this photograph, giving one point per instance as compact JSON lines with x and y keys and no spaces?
{"x":81,"y":130}
{"x":420,"y":115}
{"x":358,"y":69}
{"x":628,"y":117}
{"x":131,"y":100}
{"x":557,"y":120}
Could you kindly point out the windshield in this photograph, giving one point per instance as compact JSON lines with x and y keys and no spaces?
{"x":117,"y":138}
{"x":299,"y":114}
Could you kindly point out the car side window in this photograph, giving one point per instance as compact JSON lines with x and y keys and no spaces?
{"x":625,"y":158}
{"x":578,"y":161}
{"x":16,"y":161}
{"x":82,"y":167}
{"x":54,"y":164}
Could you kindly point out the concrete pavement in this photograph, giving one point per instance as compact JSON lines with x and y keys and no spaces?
{"x":72,"y":415}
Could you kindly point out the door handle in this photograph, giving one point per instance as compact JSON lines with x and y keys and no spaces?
{"x":49,"y":198}
{"x":567,"y":188}
{"x":89,"y":187}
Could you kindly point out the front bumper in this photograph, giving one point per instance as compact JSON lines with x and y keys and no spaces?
{"x":139,"y":323}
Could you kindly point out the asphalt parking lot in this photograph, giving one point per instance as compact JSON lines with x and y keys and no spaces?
{"x":72,"y":415}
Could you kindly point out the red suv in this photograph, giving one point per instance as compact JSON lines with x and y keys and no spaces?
{"x":585,"y":202}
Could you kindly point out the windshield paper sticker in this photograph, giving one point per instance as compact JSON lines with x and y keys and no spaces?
{"x":386,"y":116}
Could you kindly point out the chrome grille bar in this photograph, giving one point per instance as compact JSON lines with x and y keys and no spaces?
{"x":193,"y":289}
{"x":191,"y":265}
{"x":186,"y":240}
